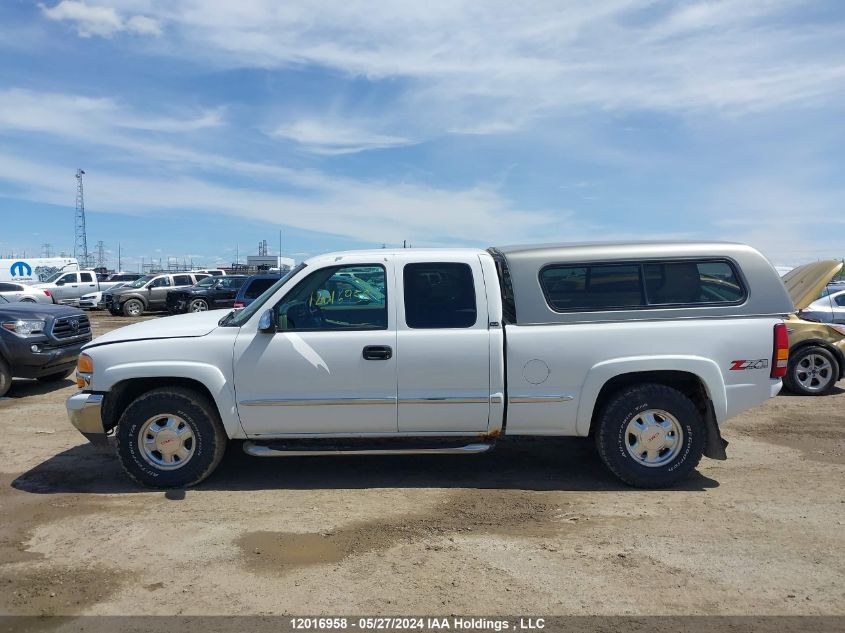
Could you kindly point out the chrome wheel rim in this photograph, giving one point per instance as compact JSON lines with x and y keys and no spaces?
{"x":813,"y":372}
{"x":198,"y":306}
{"x":166,"y":442}
{"x":653,"y":438}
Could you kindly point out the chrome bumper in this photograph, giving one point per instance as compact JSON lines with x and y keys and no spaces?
{"x":84,"y":411}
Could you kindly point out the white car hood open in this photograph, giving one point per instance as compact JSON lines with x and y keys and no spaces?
{"x":180,"y":326}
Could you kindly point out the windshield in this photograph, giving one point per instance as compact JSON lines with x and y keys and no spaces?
{"x":140,"y":283}
{"x":237,"y":319}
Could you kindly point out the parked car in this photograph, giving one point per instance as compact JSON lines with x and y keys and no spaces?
{"x":149,"y":293}
{"x":816,"y":350}
{"x":649,"y":348}
{"x":94,"y":300}
{"x":27,"y":294}
{"x":829,"y":308}
{"x":211,"y":293}
{"x":253,"y":287}
{"x":39,"y":341}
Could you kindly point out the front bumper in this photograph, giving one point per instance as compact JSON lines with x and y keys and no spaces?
{"x":85,"y":412}
{"x":50,"y":359}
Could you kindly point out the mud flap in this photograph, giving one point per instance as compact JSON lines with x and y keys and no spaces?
{"x":714,"y":445}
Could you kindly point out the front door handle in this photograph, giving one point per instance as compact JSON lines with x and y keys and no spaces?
{"x":378,"y":352}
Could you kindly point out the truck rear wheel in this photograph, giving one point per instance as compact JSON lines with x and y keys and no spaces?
{"x":170,"y":437}
{"x":812,"y":371}
{"x":133,"y":308}
{"x":650,"y":435}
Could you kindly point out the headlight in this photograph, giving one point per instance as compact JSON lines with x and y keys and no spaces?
{"x":84,"y":369}
{"x":24,"y":327}
{"x":838,"y":328}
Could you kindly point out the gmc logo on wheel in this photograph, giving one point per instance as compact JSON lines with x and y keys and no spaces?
{"x":741,"y":365}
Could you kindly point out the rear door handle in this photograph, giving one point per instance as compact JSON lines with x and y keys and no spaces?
{"x":378,"y":352}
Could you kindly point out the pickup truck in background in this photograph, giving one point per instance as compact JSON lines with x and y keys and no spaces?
{"x":39,"y":341}
{"x":69,"y":287}
{"x":648,"y":348}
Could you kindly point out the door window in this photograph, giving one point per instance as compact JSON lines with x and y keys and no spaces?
{"x":840,"y":300}
{"x":439,"y":296}
{"x":86,"y":277}
{"x":160,"y":282}
{"x":70,"y":278}
{"x":334,"y":299}
{"x":182,"y":280}
{"x":9,"y":288}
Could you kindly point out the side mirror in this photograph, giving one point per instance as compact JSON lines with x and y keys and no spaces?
{"x":60,"y":283}
{"x":265,"y":323}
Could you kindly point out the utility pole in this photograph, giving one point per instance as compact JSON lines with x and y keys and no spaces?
{"x":119,"y":268}
{"x":80,"y":246}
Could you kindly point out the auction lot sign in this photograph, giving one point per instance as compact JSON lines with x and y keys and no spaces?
{"x":427,"y":623}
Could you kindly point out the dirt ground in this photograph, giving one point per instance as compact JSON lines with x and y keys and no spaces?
{"x":535,"y":526}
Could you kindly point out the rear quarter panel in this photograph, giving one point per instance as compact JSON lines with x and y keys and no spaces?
{"x":581,"y":357}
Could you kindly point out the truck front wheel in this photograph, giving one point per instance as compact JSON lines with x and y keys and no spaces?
{"x":5,"y":377}
{"x":650,"y":435}
{"x":170,"y":437}
{"x":133,"y":308}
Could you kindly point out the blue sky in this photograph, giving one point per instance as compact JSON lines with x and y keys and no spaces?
{"x":206,"y":126}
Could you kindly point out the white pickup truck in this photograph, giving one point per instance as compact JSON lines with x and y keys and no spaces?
{"x":69,"y":287}
{"x":648,"y":348}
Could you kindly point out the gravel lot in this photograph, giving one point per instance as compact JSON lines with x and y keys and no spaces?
{"x":535,"y":526}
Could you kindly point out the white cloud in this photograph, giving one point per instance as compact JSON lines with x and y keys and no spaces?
{"x":335,"y":137}
{"x":372,"y":212}
{"x":99,"y":20}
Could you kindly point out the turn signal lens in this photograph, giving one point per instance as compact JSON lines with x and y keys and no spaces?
{"x":780,"y":353}
{"x":85,"y":364}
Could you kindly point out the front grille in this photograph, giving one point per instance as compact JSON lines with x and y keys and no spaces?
{"x":107,"y":299}
{"x":71,"y":327}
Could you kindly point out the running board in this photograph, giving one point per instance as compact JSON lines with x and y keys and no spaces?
{"x":288,"y":450}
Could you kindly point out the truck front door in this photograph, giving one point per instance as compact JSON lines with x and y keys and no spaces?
{"x":67,"y":287}
{"x":329,"y":366}
{"x":443,"y":346}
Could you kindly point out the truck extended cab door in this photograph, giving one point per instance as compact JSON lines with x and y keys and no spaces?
{"x":443,"y":345}
{"x":330,"y":366}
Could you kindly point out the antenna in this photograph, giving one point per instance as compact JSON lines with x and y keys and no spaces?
{"x":80,"y":246}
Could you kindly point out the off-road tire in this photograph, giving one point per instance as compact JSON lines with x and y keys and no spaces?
{"x":610,"y":435}
{"x":5,"y":377}
{"x":57,"y":376}
{"x":129,"y":307}
{"x":791,"y":381}
{"x":196,"y":410}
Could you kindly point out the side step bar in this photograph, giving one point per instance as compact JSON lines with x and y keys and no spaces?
{"x":281,"y":450}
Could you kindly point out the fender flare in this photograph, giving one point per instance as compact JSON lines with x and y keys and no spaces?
{"x":210,"y":376}
{"x":705,"y":369}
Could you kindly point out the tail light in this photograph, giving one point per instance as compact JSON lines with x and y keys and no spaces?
{"x":47,"y":292}
{"x":780,"y":354}
{"x":239,"y":304}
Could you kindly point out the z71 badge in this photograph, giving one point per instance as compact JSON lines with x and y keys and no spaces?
{"x":739,"y":365}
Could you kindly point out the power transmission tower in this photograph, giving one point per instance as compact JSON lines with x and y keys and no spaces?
{"x":101,"y":254}
{"x":80,"y":246}
{"x":47,"y":250}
